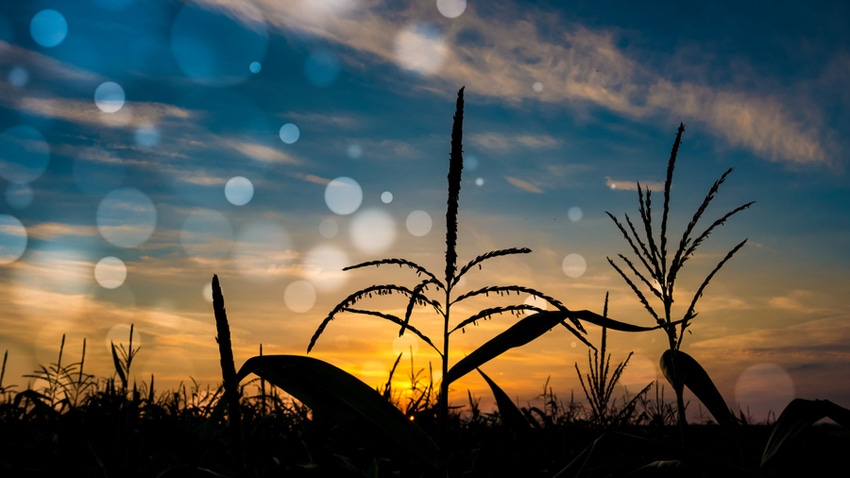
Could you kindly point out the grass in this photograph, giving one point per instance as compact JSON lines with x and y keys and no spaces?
{"x":111,"y":432}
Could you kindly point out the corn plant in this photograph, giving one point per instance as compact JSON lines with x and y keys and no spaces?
{"x":339,"y":394}
{"x":446,"y":296}
{"x":655,"y":271}
{"x":122,"y":359}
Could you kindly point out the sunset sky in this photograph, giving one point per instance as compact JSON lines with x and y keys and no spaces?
{"x":146,"y":145}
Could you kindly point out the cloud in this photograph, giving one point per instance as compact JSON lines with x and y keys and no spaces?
{"x":806,"y":342}
{"x":524,"y":185}
{"x":46,"y":66}
{"x":52,"y":230}
{"x":85,"y":111}
{"x":622,"y":185}
{"x":760,"y":124}
{"x":577,"y":66}
{"x":260,"y":152}
{"x":337,"y":120}
{"x":311,"y":178}
{"x":503,"y":142}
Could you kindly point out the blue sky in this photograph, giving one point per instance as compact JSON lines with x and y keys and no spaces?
{"x":145,"y":145}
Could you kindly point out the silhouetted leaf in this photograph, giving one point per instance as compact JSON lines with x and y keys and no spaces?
{"x":118,"y":367}
{"x":687,"y":372}
{"x":508,"y":411}
{"x":800,"y":414}
{"x":517,"y":335}
{"x":334,"y":393}
{"x":523,"y":332}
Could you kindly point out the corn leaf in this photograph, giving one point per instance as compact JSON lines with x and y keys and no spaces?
{"x":685,"y":371}
{"x":526,"y":330}
{"x":517,"y":335}
{"x":334,"y":393}
{"x":118,"y":366}
{"x":800,"y":414}
{"x":508,"y":411}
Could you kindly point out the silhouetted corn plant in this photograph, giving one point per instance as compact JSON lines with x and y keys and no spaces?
{"x":122,"y":359}
{"x":656,"y":272}
{"x":523,"y":332}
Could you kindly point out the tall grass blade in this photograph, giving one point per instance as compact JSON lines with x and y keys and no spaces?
{"x":342,"y":397}
{"x":388,"y":388}
{"x":3,"y":370}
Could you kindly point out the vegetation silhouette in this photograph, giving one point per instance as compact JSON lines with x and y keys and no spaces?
{"x":658,"y":276}
{"x":318,"y":420}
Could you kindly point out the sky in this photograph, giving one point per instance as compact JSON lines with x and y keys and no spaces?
{"x":147,"y":145}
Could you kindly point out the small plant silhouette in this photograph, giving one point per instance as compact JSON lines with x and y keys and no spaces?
{"x":657,"y":272}
{"x":65,"y":384}
{"x":598,"y":384}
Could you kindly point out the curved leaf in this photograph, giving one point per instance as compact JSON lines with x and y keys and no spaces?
{"x":508,"y":411}
{"x":800,"y":414}
{"x":601,"y":321}
{"x":517,"y":335}
{"x":342,"y":397}
{"x":685,"y":371}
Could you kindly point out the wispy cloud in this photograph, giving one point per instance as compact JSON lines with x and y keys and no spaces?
{"x":524,"y":185}
{"x":259,"y":152}
{"x":811,"y":341}
{"x":623,"y":185}
{"x":54,"y":230}
{"x":503,"y":142}
{"x":760,"y":124}
{"x":84,"y":111}
{"x":51,"y":67}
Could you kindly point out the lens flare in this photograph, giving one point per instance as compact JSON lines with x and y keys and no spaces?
{"x":110,"y":272}
{"x":574,"y":265}
{"x":419,"y":223}
{"x":343,"y":196}
{"x":109,"y":97}
{"x":48,"y":28}
{"x":126,"y":217}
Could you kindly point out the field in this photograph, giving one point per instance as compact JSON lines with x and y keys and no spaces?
{"x":292,"y":415}
{"x":82,"y":426}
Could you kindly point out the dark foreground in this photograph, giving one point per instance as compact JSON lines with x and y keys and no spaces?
{"x":135,"y":438}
